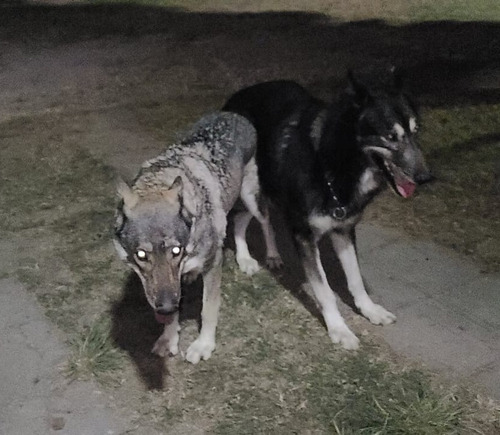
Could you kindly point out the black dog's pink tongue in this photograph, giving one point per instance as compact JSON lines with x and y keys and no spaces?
{"x":406,"y":188}
{"x":404,"y":184}
{"x":160,"y":318}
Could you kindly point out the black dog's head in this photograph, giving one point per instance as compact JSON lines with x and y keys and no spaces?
{"x":386,"y":131}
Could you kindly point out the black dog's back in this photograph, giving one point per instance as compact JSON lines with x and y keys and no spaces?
{"x":278,"y":110}
{"x":267,"y":103}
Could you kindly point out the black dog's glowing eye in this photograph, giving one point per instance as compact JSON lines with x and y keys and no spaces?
{"x":392,"y":137}
{"x":176,"y":250}
{"x":141,"y":255}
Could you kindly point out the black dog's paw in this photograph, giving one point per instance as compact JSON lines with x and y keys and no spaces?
{"x":274,"y":263}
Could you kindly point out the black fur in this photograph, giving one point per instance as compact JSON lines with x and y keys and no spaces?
{"x":322,"y":164}
{"x":303,"y":173}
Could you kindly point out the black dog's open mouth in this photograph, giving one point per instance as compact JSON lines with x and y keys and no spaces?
{"x":401,"y":183}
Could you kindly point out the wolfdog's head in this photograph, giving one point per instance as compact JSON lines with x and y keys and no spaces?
{"x":386,"y":131}
{"x":151,"y":234}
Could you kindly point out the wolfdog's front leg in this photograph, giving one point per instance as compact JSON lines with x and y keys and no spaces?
{"x":346,"y":252}
{"x":168,"y":343}
{"x":204,"y":345}
{"x":338,"y":330}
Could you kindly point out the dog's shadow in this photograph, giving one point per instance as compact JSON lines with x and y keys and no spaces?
{"x":291,"y":276}
{"x":135,"y":330}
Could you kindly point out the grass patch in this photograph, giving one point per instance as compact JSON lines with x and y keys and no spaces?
{"x":395,"y":10}
{"x":455,"y":10}
{"x":273,"y":374}
{"x":274,"y":370}
{"x":94,"y":353}
{"x":378,"y":400}
{"x":168,"y":122}
{"x":60,"y":201}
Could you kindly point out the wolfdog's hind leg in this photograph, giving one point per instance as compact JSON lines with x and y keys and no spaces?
{"x":245,"y":261}
{"x":273,"y":258}
{"x":168,"y":343}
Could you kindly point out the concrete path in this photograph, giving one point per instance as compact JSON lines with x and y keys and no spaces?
{"x":448,"y":312}
{"x":35,"y":398}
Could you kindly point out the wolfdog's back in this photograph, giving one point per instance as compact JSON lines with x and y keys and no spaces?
{"x":211,"y":158}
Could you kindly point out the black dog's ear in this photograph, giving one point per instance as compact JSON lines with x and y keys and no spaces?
{"x":357,"y":89}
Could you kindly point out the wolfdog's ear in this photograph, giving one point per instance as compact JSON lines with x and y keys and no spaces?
{"x":360,"y":91}
{"x":129,"y":197}
{"x":176,"y":187}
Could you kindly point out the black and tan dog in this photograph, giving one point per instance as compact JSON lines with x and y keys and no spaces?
{"x":322,"y":164}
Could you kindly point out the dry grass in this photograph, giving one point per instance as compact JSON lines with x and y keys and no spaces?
{"x":398,"y":11}
{"x":274,"y":370}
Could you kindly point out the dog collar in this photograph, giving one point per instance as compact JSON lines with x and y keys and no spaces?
{"x":338,"y":211}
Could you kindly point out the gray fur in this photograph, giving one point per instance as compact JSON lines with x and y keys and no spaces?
{"x":179,"y":202}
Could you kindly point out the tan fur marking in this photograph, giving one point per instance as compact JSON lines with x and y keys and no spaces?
{"x":174,"y":192}
{"x":130,"y":198}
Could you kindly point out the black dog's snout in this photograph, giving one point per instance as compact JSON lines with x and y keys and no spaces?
{"x":424,"y":177}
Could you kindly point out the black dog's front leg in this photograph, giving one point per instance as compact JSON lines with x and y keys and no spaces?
{"x":338,"y":330}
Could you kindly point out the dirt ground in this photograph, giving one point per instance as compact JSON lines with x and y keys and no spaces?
{"x":121,"y":80}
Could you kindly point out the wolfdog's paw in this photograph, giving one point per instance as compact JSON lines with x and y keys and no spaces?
{"x":378,"y":315}
{"x":345,"y":337}
{"x":200,"y":349}
{"x":248,"y":265}
{"x":165,"y":346}
{"x":274,"y":263}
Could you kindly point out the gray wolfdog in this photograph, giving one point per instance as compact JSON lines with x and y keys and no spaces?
{"x":171,"y":223}
{"x":322,"y":164}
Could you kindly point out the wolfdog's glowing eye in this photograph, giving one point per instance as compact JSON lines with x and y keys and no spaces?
{"x":176,"y":250}
{"x":392,"y":137}
{"x":142,"y":255}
